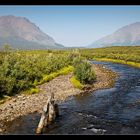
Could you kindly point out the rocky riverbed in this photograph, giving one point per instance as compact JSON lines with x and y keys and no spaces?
{"x":61,"y":87}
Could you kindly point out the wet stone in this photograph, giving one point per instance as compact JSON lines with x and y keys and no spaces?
{"x":90,"y":126}
{"x":98,"y":130}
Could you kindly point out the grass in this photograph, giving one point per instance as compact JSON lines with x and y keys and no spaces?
{"x":63,"y":71}
{"x":34,"y":90}
{"x":134,"y":64}
{"x":129,"y":55}
{"x":31,"y":91}
{"x":76,"y":83}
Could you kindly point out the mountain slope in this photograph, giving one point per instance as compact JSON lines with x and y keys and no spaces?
{"x":126,"y":36}
{"x":21,"y":33}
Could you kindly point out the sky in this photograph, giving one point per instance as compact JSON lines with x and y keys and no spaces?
{"x":76,"y":25}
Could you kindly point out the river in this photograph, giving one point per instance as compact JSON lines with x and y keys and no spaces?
{"x":108,"y":111}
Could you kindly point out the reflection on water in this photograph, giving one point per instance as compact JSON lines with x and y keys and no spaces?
{"x":109,"y":111}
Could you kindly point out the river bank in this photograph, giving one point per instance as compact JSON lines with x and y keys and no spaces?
{"x":129,"y":63}
{"x":61,"y":87}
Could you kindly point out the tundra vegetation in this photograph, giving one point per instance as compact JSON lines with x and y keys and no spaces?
{"x":129,"y":55}
{"x":22,"y":71}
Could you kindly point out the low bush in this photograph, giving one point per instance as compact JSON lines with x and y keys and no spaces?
{"x":22,"y":70}
{"x":83,"y":71}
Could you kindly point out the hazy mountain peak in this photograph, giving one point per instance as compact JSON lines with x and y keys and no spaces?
{"x":20,"y":31}
{"x":127,"y":35}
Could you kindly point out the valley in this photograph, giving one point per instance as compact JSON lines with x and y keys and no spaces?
{"x":74,"y":69}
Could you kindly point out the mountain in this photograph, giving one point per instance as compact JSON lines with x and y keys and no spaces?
{"x":19,"y":32}
{"x":126,"y":36}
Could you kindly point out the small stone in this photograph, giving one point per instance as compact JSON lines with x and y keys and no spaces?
{"x":89,"y":115}
{"x":95,"y":117}
{"x":84,"y":128}
{"x":98,"y":130}
{"x":20,"y":96}
{"x":23,"y":98}
{"x":14,"y":100}
{"x":1,"y":130}
{"x":90,"y":126}
{"x":80,"y":114}
{"x":23,"y":103}
{"x":11,"y":106}
{"x":94,"y":130}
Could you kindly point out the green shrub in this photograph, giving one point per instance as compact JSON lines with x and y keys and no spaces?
{"x":83,"y":71}
{"x":22,"y":70}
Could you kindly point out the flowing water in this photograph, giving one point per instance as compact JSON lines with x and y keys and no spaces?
{"x":108,"y":111}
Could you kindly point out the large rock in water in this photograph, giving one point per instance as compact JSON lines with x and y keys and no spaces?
{"x":19,"y":32}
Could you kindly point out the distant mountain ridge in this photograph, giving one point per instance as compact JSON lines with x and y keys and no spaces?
{"x":19,"y":32}
{"x":126,"y":36}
